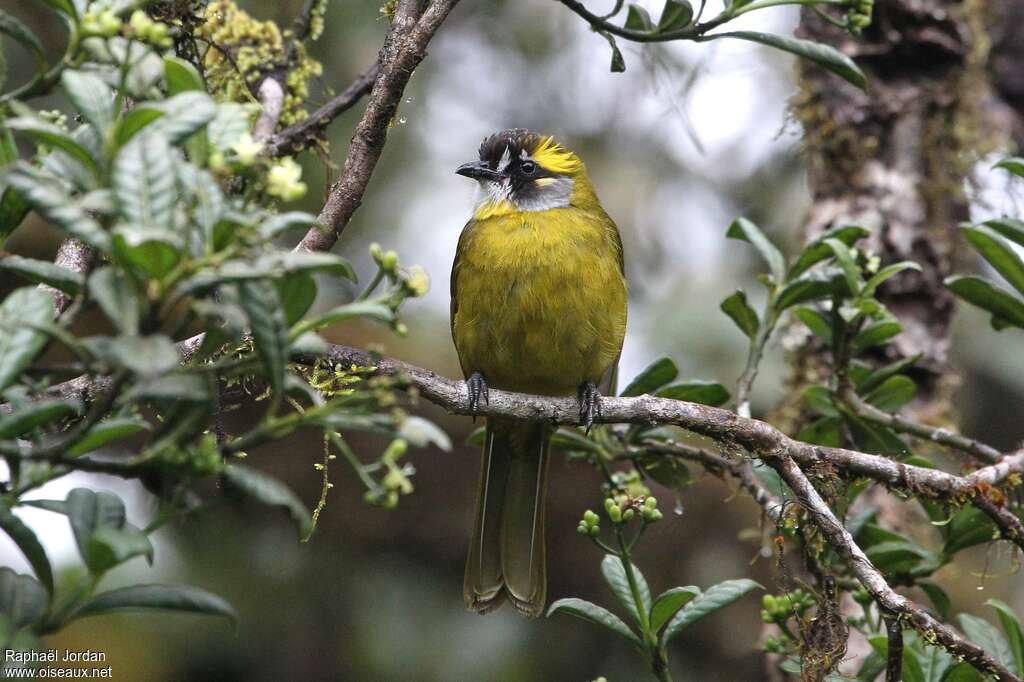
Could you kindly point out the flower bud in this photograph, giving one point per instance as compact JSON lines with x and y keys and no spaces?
{"x":628,"y":514}
{"x":651,"y":502}
{"x":590,"y":518}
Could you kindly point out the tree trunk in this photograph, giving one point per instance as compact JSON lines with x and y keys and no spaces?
{"x":895,"y":159}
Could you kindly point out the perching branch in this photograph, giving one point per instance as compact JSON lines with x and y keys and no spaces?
{"x":271,"y":97}
{"x":73,"y":255}
{"x":296,"y":137}
{"x":404,"y":48}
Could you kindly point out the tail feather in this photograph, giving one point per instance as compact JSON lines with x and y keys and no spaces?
{"x":507,"y":555}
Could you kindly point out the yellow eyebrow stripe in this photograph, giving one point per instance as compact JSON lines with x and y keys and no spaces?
{"x":555,"y":158}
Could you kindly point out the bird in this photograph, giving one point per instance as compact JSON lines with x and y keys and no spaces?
{"x":538,"y":305}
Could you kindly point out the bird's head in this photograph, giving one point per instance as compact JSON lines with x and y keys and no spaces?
{"x":519,"y":170}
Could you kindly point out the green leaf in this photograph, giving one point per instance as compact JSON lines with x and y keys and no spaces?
{"x":18,"y":31}
{"x":885,"y":273}
{"x":676,"y":15}
{"x":740,"y":312}
{"x":1008,"y":227}
{"x":88,"y":511}
{"x":819,"y":400}
{"x":651,"y":378}
{"x":892,"y":394}
{"x":618,"y":64}
{"x":229,"y":124}
{"x":53,"y":203}
{"x":615,"y":575}
{"x":33,"y":415}
{"x":595,"y":614}
{"x":171,"y":387}
{"x":810,"y":287}
{"x":985,"y":635}
{"x":999,"y":254}
{"x":143,"y":182}
{"x":278,"y":224}
{"x":747,"y":231}
{"x":963,"y":672}
{"x":50,"y":135}
{"x":109,"y":547}
{"x":1014,"y":164}
{"x":134,"y":121}
{"x":1011,"y":626}
{"x":875,"y":437}
{"x":878,"y":377}
{"x":826,"y":431}
{"x":638,"y":19}
{"x":817,"y":250}
{"x":22,"y":599}
{"x":269,"y":333}
{"x":297,"y":294}
{"x":44,"y":272}
{"x":146,"y":356}
{"x":715,"y":598}
{"x":874,"y":335}
{"x":988,"y":296}
{"x":184,"y":114}
{"x":181,"y":76}
{"x":845,"y":259}
{"x":669,"y":602}
{"x":65,"y":7}
{"x":823,"y":55}
{"x":29,"y":545}
{"x":938,"y":597}
{"x":270,"y":491}
{"x":157,"y":597}
{"x":819,"y":325}
{"x":696,"y":391}
{"x":911,"y":666}
{"x":668,"y":471}
{"x":154,"y":251}
{"x":91,"y":96}
{"x":20,"y":342}
{"x":105,"y":432}
{"x":898,"y":556}
{"x":115,"y":294}
{"x":969,"y":526}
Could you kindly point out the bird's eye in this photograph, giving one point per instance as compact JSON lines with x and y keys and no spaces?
{"x":528,"y":168}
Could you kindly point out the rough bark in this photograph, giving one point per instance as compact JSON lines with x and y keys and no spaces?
{"x":895,"y":158}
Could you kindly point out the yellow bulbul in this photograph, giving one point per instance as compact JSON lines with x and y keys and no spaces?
{"x":538,"y":306}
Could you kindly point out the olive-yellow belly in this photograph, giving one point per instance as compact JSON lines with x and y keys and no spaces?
{"x":540,"y":300}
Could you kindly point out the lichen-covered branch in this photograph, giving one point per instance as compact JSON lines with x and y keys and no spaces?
{"x":888,"y":600}
{"x":404,"y":48}
{"x":74,"y":255}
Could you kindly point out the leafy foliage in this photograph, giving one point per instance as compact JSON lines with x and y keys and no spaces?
{"x":164,"y":185}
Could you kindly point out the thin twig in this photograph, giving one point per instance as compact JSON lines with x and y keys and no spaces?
{"x":297,"y":137}
{"x":923,"y":431}
{"x":404,"y":48}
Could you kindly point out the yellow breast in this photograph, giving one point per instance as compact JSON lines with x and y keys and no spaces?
{"x":539,"y":299}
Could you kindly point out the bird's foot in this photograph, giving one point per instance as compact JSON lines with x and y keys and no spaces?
{"x":477,"y":388}
{"x":590,"y":404}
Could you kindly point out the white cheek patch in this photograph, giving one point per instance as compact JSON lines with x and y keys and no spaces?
{"x":548,"y":193}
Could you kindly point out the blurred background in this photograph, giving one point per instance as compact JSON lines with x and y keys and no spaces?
{"x":689,"y":137}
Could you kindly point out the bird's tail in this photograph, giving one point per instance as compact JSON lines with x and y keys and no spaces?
{"x":506,"y":552}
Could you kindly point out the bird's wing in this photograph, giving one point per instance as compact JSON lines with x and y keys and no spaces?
{"x":463,"y":238}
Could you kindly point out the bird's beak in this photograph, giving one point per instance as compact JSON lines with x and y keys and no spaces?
{"x":479,"y":170}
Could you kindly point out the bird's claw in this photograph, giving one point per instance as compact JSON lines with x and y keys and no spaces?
{"x":477,"y":388}
{"x":590,"y":405}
